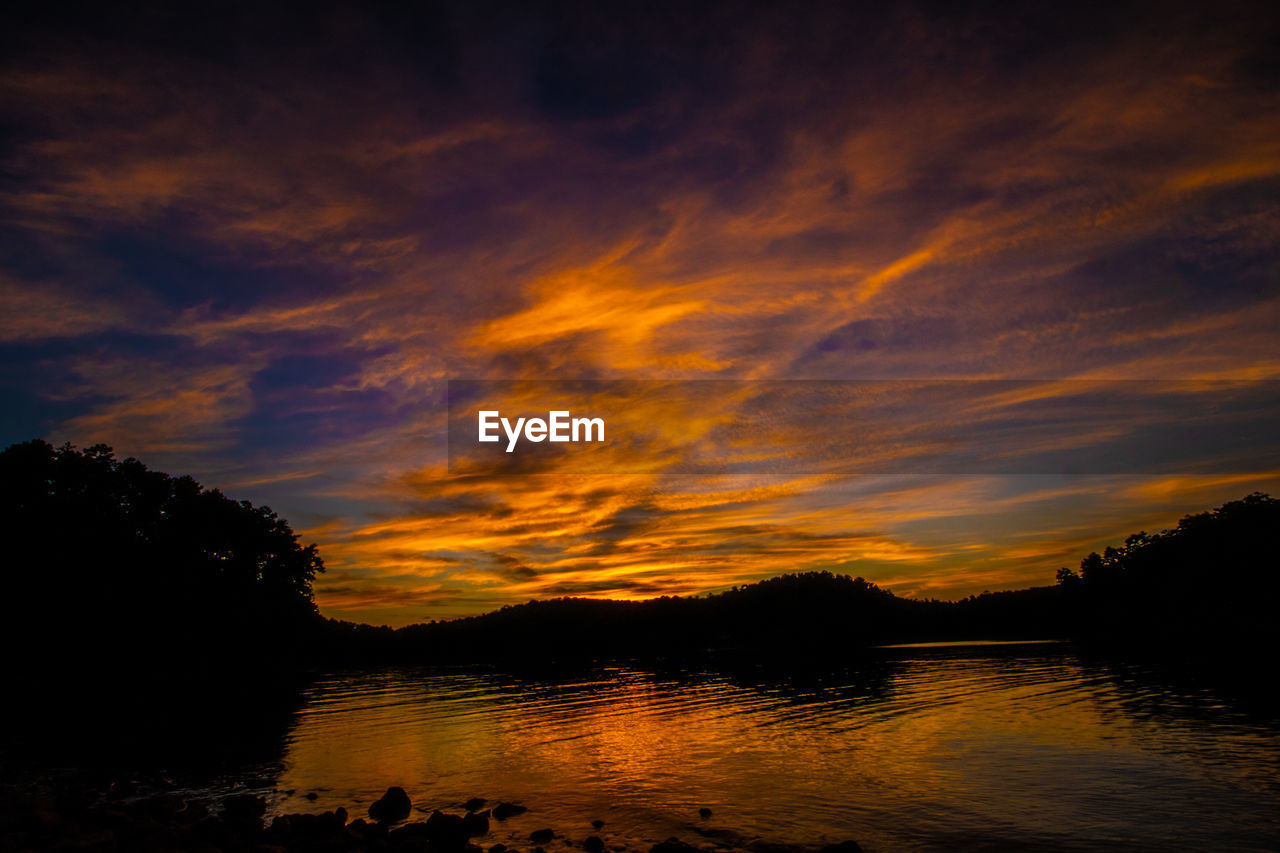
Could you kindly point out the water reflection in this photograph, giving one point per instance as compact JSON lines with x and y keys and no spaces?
{"x":923,"y":748}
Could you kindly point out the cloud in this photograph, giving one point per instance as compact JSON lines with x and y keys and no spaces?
{"x":267,"y":269}
{"x":33,"y":311}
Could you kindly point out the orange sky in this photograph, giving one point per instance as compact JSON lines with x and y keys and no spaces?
{"x":256,"y":250}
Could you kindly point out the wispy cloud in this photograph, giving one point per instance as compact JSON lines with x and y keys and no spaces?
{"x":265,"y":269}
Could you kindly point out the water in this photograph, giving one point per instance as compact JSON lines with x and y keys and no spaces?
{"x":952,"y":747}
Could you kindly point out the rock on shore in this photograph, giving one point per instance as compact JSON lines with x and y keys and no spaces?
{"x":84,"y":822}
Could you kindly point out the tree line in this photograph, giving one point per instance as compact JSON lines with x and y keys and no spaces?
{"x":111,"y":567}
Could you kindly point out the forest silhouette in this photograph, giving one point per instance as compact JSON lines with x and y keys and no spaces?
{"x":144,"y":606}
{"x":144,"y":581}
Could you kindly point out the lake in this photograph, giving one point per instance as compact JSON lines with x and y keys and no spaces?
{"x":952,"y":746}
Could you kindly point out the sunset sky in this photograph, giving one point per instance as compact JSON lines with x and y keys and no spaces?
{"x":255,"y":247}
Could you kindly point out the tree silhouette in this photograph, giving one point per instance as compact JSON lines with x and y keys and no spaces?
{"x":108,"y":564}
{"x":1212,"y":580}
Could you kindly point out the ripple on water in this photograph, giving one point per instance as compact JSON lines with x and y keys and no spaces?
{"x":923,"y":748}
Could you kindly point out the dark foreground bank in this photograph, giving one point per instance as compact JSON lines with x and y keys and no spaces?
{"x":75,"y":816}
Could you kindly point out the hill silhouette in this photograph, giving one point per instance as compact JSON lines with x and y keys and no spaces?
{"x":1204,"y":590}
{"x":811,"y":616}
{"x":146,"y":577}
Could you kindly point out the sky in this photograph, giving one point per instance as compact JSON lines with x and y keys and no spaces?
{"x":254,"y":244}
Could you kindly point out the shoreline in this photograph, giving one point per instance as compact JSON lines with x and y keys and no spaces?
{"x":73,"y":814}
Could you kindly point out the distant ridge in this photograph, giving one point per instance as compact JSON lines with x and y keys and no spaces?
{"x":128,"y":571}
{"x":1201,"y":588}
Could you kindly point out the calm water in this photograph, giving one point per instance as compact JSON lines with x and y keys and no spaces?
{"x":960,"y":747}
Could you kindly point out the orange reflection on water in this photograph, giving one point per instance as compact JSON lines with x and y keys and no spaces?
{"x":914,"y":749}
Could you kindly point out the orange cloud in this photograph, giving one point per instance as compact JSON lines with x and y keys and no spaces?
{"x":343,"y":245}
